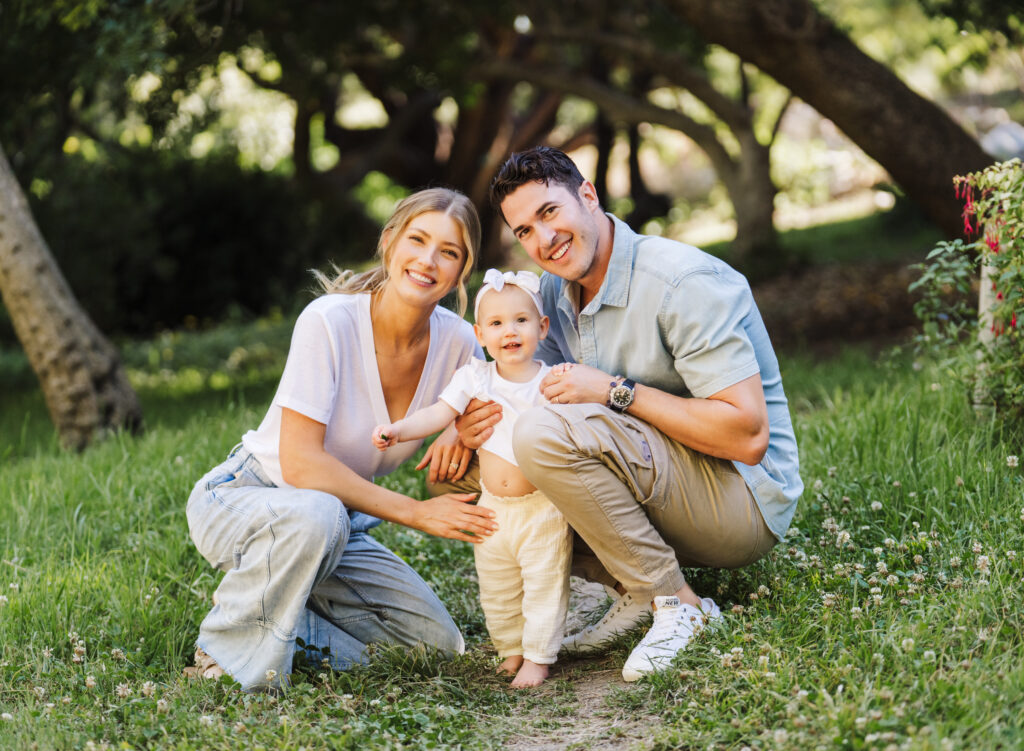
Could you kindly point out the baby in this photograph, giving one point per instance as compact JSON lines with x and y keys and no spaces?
{"x":523,"y":568}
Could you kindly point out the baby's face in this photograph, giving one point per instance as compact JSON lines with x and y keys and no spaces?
{"x":510,"y":326}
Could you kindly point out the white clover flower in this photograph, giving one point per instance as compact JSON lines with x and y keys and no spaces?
{"x":6,"y":717}
{"x":818,"y":485}
{"x":907,"y":644}
{"x":856,"y":611}
{"x":860,"y":722}
{"x":1011,"y":555}
{"x":124,"y":690}
{"x":935,"y":387}
{"x":842,"y":538}
{"x":982,"y":563}
{"x":39,"y":691}
{"x":206,"y":720}
{"x":270,"y":675}
{"x":763,"y":591}
{"x":118,"y":654}
{"x":897,"y":484}
{"x":876,"y":505}
{"x":1012,"y":461}
{"x":918,"y":559}
{"x":877,"y":550}
{"x":762,"y":661}
{"x":833,"y":471}
{"x":14,"y":586}
{"x":283,"y":719}
{"x":163,"y":706}
{"x":781,"y":736}
{"x":47,"y":653}
{"x":955,"y":562}
{"x":928,"y":655}
{"x":148,"y":688}
{"x":889,"y":542}
{"x":892,"y":580}
{"x":90,"y":681}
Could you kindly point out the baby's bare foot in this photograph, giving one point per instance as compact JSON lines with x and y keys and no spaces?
{"x":510,"y":665}
{"x":530,"y":674}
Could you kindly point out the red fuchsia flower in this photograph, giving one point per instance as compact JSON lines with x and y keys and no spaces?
{"x":992,"y":241}
{"x":1013,"y":321}
{"x":968,"y":229}
{"x":999,"y":295}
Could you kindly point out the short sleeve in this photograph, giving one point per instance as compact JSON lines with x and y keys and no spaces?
{"x":703,"y":320}
{"x":465,"y":384}
{"x":309,"y":382}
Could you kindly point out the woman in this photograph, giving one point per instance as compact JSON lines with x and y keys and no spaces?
{"x":286,"y":516}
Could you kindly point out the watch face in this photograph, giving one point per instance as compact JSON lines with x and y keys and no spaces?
{"x":621,"y":396}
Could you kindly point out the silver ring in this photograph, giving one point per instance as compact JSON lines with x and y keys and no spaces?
{"x":453,"y":465}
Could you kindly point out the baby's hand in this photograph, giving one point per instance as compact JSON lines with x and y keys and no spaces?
{"x":562,"y":368}
{"x":384,"y":436}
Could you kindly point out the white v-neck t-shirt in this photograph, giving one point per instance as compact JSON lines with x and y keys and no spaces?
{"x":331,"y":376}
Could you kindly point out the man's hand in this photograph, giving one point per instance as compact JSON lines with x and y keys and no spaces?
{"x":452,"y":516}
{"x":476,"y":424}
{"x":576,"y":384}
{"x":447,"y":456}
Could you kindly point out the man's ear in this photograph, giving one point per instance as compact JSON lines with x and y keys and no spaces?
{"x":545,"y":322}
{"x":588,"y":196}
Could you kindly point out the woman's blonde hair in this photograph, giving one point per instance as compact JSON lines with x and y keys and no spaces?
{"x":444,"y":200}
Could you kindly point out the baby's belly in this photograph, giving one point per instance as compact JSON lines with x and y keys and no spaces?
{"x":501,"y":477}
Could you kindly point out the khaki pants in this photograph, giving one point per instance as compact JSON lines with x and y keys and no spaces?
{"x":642,"y":503}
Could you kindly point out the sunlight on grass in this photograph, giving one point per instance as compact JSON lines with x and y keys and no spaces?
{"x":888,"y":617}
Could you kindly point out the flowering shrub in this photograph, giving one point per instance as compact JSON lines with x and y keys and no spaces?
{"x":994,"y":217}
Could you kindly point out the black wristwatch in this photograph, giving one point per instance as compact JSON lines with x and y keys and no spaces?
{"x":621,"y":394}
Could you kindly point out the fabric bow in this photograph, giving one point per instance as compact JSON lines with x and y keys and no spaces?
{"x":496,"y":280}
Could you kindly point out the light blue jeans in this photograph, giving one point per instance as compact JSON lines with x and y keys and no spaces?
{"x":298,"y":565}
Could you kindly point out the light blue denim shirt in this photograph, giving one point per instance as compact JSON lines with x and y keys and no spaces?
{"x":673,"y":317}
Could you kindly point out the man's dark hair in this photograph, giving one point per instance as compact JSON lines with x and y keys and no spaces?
{"x":541,"y":164}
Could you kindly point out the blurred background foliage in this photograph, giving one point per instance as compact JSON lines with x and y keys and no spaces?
{"x":188,"y":162}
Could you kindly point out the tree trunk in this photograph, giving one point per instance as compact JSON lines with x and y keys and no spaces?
{"x":914,"y":139}
{"x":752,"y":192}
{"x":79,"y":370}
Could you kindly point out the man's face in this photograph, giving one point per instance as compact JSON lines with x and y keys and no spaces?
{"x":557,"y":228}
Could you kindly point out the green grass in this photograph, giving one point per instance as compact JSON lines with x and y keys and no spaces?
{"x":95,"y":555}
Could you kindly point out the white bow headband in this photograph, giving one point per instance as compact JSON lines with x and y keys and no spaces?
{"x":527,"y":281}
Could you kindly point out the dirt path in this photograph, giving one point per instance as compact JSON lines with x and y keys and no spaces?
{"x":573,"y":710}
{"x":580,"y":717}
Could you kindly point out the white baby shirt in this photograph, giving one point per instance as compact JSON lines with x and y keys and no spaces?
{"x":480,"y":380}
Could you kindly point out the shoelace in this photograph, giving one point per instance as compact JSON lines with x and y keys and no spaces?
{"x":617,"y":608}
{"x":664,"y":627}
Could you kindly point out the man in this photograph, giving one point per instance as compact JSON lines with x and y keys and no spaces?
{"x":670,"y":444}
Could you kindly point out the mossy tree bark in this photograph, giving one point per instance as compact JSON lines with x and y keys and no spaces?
{"x":80,"y":372}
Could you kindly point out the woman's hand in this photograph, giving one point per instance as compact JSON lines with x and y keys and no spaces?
{"x":447,"y":456}
{"x":476,"y":424}
{"x":576,"y":384}
{"x":452,"y":516}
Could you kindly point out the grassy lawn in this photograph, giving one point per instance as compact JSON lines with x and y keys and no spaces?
{"x":889,"y":618}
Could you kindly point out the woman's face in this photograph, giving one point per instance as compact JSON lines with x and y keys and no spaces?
{"x":427,"y":259}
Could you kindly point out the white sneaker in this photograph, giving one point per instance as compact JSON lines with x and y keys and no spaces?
{"x":624,"y":614}
{"x":674,"y":625}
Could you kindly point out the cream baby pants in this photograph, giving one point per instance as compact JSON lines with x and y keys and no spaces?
{"x":524,"y":576}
